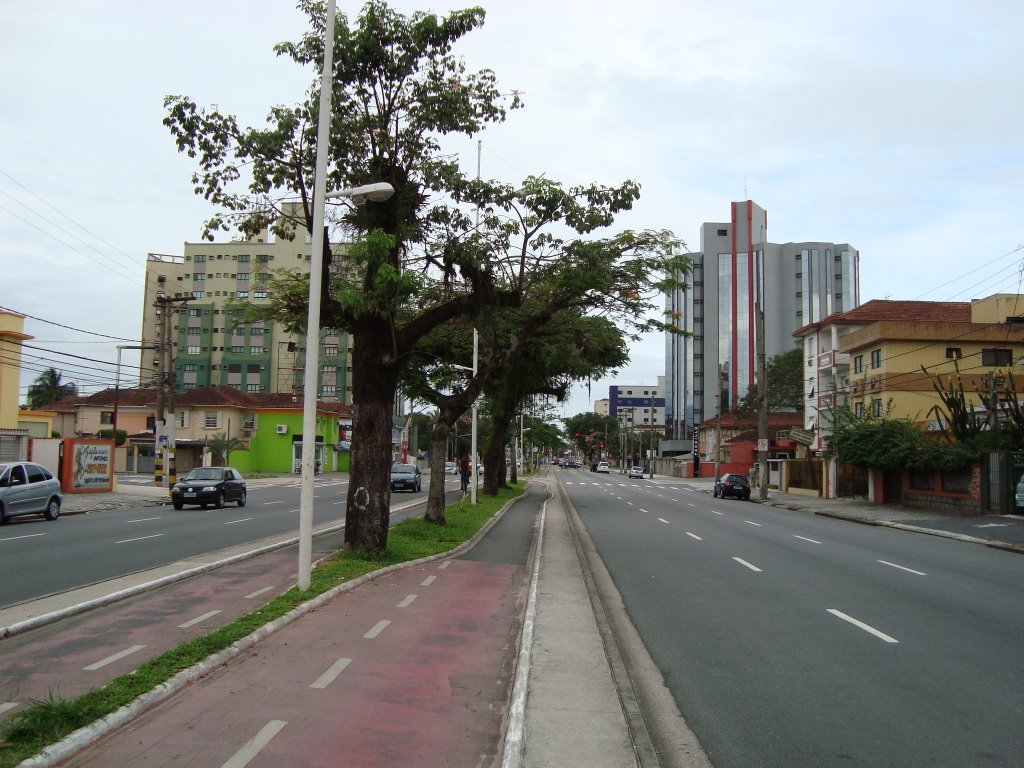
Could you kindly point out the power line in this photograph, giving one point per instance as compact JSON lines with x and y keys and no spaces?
{"x":68,"y":327}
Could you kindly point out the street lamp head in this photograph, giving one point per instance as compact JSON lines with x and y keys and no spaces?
{"x":377,"y":192}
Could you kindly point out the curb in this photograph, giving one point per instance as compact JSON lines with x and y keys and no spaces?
{"x":84,"y":737}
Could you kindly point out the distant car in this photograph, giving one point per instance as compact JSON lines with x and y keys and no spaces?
{"x":28,"y":489}
{"x":636,"y":472}
{"x":732,"y":485}
{"x":405,"y":477}
{"x":602,"y":466}
{"x":207,"y":486}
{"x":451,"y":468}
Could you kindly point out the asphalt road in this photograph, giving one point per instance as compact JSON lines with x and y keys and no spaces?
{"x":791,"y":640}
{"x":39,"y":558}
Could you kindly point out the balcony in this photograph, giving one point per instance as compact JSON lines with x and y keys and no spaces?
{"x":832,"y":359}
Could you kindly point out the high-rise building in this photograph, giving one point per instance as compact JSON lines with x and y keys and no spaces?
{"x":736,"y":272}
{"x":210,"y":343}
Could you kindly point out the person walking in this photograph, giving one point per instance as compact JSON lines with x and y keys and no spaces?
{"x":464,"y":471}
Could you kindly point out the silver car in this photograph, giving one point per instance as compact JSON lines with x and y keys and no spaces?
{"x":28,"y":489}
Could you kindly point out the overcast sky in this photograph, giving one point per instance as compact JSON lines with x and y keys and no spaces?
{"x":894,"y":126}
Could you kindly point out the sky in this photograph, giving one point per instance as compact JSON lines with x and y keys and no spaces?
{"x":897,"y":127}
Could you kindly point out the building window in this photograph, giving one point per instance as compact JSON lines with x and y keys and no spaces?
{"x":195,"y":331}
{"x":953,"y":353}
{"x":259,"y":294}
{"x":330,"y":349}
{"x":106,"y":417}
{"x":876,"y":407}
{"x":252,"y":387}
{"x":876,"y":358}
{"x":211,"y":419}
{"x":242,"y":277}
{"x":199,"y":257}
{"x":998,"y":357}
{"x":193,"y":350}
{"x":198,"y":294}
{"x":858,"y":364}
{"x":181,"y":418}
{"x":723,"y":232}
{"x":199,"y":277}
{"x":242,"y":295}
{"x":236,"y":350}
{"x":243,"y":257}
{"x":194,"y":312}
{"x":191,"y":367}
{"x":257,"y":331}
{"x":257,"y":350}
{"x":249,"y":421}
{"x":328,"y":390}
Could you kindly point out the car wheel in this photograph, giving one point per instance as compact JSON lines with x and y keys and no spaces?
{"x":419,"y":486}
{"x":241,"y":499}
{"x":3,"y":517}
{"x":218,"y":503}
{"x":178,"y":505}
{"x":52,"y":510}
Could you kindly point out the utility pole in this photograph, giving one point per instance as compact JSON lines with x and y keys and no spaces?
{"x":163,"y":436}
{"x":650,"y":460}
{"x":762,"y":404}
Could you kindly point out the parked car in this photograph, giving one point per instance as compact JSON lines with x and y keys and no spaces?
{"x":451,"y":468}
{"x":635,"y":472}
{"x":602,"y":466}
{"x":732,"y":485}
{"x":405,"y":477}
{"x":209,"y":485}
{"x":28,"y":489}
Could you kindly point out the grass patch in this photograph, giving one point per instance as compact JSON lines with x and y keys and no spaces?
{"x":45,"y":722}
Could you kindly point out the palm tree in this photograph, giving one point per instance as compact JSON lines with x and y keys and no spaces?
{"x":48,"y":389}
{"x":221,"y":446}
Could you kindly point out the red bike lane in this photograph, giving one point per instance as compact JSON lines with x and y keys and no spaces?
{"x":411,"y":669}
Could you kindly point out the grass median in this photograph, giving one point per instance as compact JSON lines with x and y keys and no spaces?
{"x":45,"y":722}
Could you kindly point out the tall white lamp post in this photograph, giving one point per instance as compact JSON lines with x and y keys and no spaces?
{"x":358,"y":195}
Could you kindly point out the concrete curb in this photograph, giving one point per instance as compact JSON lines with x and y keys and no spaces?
{"x":1002,"y":545}
{"x":84,"y":737}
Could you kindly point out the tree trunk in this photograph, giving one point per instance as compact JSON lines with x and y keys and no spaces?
{"x":494,"y":459}
{"x":374,"y":383}
{"x":436,"y":499}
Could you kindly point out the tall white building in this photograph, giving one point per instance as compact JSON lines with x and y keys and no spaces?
{"x":736,"y":271}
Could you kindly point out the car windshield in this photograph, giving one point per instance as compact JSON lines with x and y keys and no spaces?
{"x":403,"y":469}
{"x":206,"y":473}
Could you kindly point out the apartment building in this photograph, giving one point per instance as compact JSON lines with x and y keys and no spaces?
{"x":736,"y":273}
{"x":210,"y":345}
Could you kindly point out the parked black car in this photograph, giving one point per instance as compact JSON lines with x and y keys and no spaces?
{"x":405,"y":477}
{"x":209,"y":485}
{"x":732,"y":485}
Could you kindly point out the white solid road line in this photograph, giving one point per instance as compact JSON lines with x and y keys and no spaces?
{"x":198,"y":619}
{"x":257,"y":593}
{"x":26,"y":536}
{"x":331,"y":674}
{"x":428,"y":581}
{"x":407,"y":601}
{"x":242,"y":520}
{"x":751,"y":522}
{"x":376,"y":629}
{"x":903,"y":568}
{"x":743,"y":562}
{"x":813,"y":541}
{"x":252,"y":747}
{"x":140,"y":538}
{"x":869,"y":629}
{"x":694,"y":536}
{"x":111,"y":659}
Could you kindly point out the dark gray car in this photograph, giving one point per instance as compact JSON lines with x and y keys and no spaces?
{"x":28,"y":489}
{"x":209,"y":486}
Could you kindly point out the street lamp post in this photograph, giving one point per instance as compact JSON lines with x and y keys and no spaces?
{"x":475,"y":472}
{"x":358,"y":195}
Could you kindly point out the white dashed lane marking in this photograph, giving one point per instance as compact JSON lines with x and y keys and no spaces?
{"x":252,"y":747}
{"x":804,"y":538}
{"x":903,"y":568}
{"x":198,"y":619}
{"x":407,"y":601}
{"x":376,"y":629}
{"x":428,"y":581}
{"x":663,"y":520}
{"x":331,"y":674}
{"x":694,"y":536}
{"x":869,"y":629}
{"x":115,"y":657}
{"x":745,"y":564}
{"x":257,"y":593}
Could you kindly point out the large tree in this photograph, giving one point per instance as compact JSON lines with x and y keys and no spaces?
{"x":49,"y":388}
{"x":397,"y":89}
{"x":785,"y":374}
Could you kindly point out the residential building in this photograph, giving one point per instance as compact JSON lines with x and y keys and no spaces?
{"x":211,"y":346}
{"x":736,"y":273}
{"x":602,"y":407}
{"x":830,"y":371}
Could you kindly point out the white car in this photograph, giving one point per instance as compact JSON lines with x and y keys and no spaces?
{"x":637,"y":472}
{"x":602,"y":466}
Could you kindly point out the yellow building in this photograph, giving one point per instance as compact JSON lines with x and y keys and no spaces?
{"x":893,"y":363}
{"x":12,"y":334}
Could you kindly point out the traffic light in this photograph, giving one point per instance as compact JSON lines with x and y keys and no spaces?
{"x":602,"y":445}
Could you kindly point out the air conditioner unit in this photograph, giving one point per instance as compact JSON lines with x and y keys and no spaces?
{"x":282,"y":429}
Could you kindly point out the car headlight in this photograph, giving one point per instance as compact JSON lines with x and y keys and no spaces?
{"x":178,"y":487}
{"x":209,"y":488}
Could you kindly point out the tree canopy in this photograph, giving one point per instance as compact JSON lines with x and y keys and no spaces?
{"x":48,"y":388}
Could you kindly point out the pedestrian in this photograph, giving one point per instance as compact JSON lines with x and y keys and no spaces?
{"x":464,"y":471}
